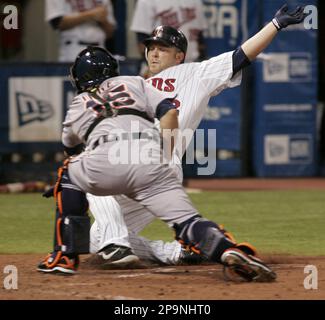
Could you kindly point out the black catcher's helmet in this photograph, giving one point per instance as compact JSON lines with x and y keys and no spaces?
{"x":168,"y":36}
{"x":92,"y":66}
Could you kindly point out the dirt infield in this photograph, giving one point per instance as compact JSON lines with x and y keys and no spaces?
{"x":160,"y":283}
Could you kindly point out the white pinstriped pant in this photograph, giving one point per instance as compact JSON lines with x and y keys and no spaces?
{"x":112,"y":227}
{"x":119,"y":219}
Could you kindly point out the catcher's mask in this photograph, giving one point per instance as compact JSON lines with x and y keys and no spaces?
{"x":92,"y":66}
{"x":168,"y":36}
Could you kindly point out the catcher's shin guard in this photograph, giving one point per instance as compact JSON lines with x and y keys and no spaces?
{"x":244,"y":246}
{"x":203,"y":237}
{"x":72,"y":221}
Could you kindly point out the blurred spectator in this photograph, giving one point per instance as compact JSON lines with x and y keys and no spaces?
{"x":186,"y":15}
{"x":80,"y":23}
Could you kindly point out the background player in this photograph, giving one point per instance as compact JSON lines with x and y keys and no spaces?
{"x":194,"y":84}
{"x":114,"y":115}
{"x":80,"y":23}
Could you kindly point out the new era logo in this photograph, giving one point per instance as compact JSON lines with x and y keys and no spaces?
{"x":288,"y":67}
{"x":31,"y":109}
{"x":288,"y":149}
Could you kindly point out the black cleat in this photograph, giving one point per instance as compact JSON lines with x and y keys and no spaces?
{"x":115,"y":257}
{"x":241,"y":266}
{"x":65,"y":265}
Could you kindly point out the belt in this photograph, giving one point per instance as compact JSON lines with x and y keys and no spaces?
{"x":82,"y":43}
{"x":125,"y":136}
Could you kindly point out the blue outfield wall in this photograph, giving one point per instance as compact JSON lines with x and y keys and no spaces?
{"x":229,"y":25}
{"x":285,"y":128}
{"x":34,"y":99}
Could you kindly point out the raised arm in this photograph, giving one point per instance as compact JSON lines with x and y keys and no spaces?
{"x":255,"y":45}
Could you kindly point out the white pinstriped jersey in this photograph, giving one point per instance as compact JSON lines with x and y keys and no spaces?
{"x":119,"y":92}
{"x":89,"y":32}
{"x":185,"y":15}
{"x":194,"y":84}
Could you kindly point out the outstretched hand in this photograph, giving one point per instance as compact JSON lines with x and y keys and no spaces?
{"x":283,"y":17}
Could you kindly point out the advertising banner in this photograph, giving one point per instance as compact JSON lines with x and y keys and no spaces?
{"x":286,"y":76}
{"x":34,"y":99}
{"x":36,"y":112}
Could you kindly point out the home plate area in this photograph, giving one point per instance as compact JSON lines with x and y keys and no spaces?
{"x":295,"y":281}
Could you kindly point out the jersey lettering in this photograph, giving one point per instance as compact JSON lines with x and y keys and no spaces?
{"x":157,"y":83}
{"x":163,"y":85}
{"x":118,"y":97}
{"x":171,"y":18}
{"x":166,"y":85}
{"x":97,"y":108}
{"x":78,"y":5}
{"x":82,"y":5}
{"x":169,"y":85}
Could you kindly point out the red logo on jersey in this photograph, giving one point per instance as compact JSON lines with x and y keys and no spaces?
{"x":163,"y":85}
{"x":83,"y":5}
{"x":172,"y":18}
{"x":166,"y":85}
